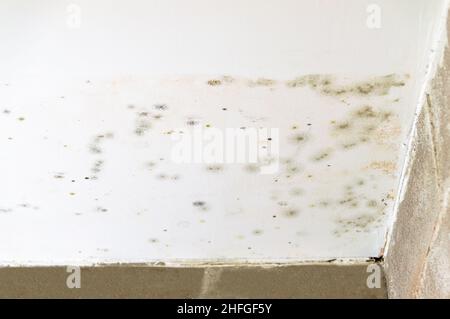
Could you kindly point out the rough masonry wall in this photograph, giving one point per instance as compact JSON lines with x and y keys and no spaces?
{"x":418,"y":260}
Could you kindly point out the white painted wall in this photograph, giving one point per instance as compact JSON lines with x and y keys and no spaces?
{"x":61,"y":87}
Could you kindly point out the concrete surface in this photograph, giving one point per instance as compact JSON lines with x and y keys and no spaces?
{"x":140,"y":281}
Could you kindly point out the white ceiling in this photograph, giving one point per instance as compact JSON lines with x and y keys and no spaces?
{"x":72,"y":98}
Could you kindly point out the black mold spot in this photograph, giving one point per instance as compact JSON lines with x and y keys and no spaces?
{"x":101,"y":209}
{"x":192,"y":122}
{"x":160,"y":107}
{"x":199,"y":204}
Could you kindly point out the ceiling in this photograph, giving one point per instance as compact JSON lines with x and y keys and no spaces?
{"x":95,"y":97}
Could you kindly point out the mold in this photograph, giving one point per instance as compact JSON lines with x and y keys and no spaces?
{"x":291,"y":212}
{"x":292,"y":169}
{"x":58,"y":176}
{"x":264,"y":82}
{"x":97,"y":167}
{"x":161,"y":176}
{"x":372,"y":203}
{"x":327,"y":85}
{"x":361,"y":223}
{"x":324,"y":154}
{"x":214,"y":168}
{"x":226,"y":79}
{"x":201,"y":205}
{"x":192,"y":122}
{"x":257,"y":232}
{"x":95,"y":145}
{"x":143,"y":124}
{"x":299,"y":138}
{"x":363,"y":125}
{"x":150,"y":165}
{"x":252,"y":168}
{"x":296,"y":192}
{"x":214,"y":82}
{"x":160,"y":107}
{"x":101,"y":209}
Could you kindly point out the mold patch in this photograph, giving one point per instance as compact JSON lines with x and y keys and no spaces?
{"x":327,"y":85}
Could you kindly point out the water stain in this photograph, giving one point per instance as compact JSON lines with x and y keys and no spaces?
{"x":384,"y":166}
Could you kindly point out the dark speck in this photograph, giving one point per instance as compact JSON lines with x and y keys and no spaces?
{"x":199,"y":204}
{"x":161,"y":107}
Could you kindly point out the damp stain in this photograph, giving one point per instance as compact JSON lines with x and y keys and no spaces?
{"x":387,"y":167}
{"x":101,"y":209}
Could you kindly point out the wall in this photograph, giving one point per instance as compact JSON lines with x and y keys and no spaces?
{"x":418,"y":259}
